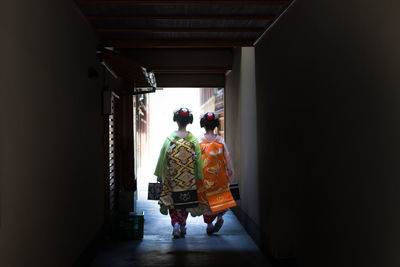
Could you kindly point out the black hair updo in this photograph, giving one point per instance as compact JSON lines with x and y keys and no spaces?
{"x":183,"y":116}
{"x":209,"y":121}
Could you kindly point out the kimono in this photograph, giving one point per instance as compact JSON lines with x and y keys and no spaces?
{"x":216,"y":163}
{"x":163,"y":173}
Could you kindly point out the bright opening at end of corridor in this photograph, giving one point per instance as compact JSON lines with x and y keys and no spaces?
{"x":162,"y":104}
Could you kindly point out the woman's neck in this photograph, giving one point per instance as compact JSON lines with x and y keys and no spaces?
{"x":182,"y":133}
{"x":210,"y":132}
{"x":210,"y":136}
{"x":181,"y":128}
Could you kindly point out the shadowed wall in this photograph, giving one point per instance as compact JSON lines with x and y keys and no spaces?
{"x":241,"y":136}
{"x":51,"y":157}
{"x":328,"y":104}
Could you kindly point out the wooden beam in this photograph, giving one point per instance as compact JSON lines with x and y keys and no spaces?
{"x":184,"y":2}
{"x":125,"y":68}
{"x":233,"y":17}
{"x":184,"y":30}
{"x":178,"y":43}
{"x":190,"y":69}
{"x":205,"y":80}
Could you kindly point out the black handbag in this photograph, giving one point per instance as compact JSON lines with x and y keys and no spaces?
{"x":154,"y":191}
{"x":235,"y":191}
{"x":185,"y":199}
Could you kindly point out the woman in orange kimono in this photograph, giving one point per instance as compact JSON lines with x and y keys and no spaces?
{"x":217,"y":171}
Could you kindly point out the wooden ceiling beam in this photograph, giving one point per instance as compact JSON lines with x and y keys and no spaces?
{"x":190,"y":69}
{"x":177,"y":43}
{"x":185,"y":2}
{"x":224,"y":17}
{"x":205,"y":80}
{"x":125,"y":68}
{"x":183,"y":30}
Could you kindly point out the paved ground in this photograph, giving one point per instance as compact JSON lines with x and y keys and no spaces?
{"x":231,"y":246}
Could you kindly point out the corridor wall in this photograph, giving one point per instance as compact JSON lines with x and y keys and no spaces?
{"x":241,"y":135}
{"x":328,"y":112}
{"x":51,"y":143}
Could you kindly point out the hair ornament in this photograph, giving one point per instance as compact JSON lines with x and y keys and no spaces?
{"x":184,"y":115}
{"x":184,"y":112}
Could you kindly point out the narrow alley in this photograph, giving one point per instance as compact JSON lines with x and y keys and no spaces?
{"x":306,"y":94}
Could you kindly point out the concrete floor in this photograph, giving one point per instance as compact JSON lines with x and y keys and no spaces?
{"x":231,"y":246}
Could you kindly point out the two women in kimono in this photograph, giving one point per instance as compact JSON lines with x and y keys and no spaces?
{"x":180,"y":170}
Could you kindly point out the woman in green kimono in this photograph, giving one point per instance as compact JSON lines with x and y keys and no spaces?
{"x":179,"y":167}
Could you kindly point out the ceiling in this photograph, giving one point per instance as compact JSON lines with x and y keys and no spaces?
{"x":180,"y":23}
{"x":185,"y":43}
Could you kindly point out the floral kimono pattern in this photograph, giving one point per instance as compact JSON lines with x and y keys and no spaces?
{"x":214,"y":172}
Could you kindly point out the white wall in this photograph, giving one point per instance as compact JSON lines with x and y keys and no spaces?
{"x":51,"y":143}
{"x":233,"y":116}
{"x":249,"y":160}
{"x":241,"y":132}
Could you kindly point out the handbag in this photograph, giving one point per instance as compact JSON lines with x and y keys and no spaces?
{"x":235,"y":191}
{"x":220,"y":200}
{"x":185,"y":199}
{"x":154,"y":191}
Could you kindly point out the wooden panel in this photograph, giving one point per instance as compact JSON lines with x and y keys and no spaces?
{"x":191,"y":80}
{"x":231,"y":17}
{"x":127,"y":69}
{"x":190,"y":69}
{"x":188,"y":58}
{"x":177,"y":43}
{"x":111,"y":176}
{"x":184,"y":30}
{"x":184,"y":2}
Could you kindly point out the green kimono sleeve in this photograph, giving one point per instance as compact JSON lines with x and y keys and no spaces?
{"x":199,"y":160}
{"x":161,"y":167}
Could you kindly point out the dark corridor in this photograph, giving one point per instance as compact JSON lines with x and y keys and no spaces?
{"x":311,"y":110}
